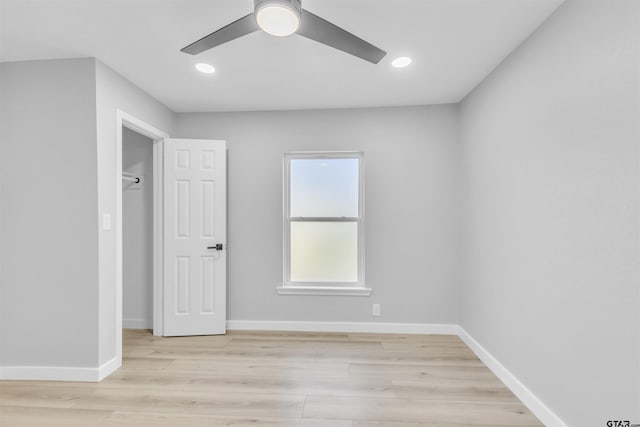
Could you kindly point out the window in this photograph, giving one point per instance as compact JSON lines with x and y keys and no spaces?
{"x":324,"y":224}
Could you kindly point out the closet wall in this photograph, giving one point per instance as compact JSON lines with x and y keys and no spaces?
{"x":137,"y":216}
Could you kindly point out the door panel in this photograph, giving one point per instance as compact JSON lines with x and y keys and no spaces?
{"x":194,"y":223}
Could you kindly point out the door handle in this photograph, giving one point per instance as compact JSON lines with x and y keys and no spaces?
{"x":217,"y":247}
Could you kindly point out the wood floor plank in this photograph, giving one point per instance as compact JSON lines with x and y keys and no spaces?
{"x":294,"y":385}
{"x":268,"y":368}
{"x":418,"y":411}
{"x":225,"y":382}
{"x":269,"y":379}
{"x":458,"y":390}
{"x":146,"y":363}
{"x":137,"y":419}
{"x":291,"y":335}
{"x":424,"y":371}
{"x":303,"y":344}
{"x":420,"y":424}
{"x":142,"y":378}
{"x":29,"y":416}
{"x":194,"y":402}
{"x":32,"y":394}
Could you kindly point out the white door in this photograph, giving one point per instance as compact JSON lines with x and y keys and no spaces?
{"x":195,"y":261}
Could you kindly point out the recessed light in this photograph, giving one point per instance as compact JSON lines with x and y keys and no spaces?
{"x":401,"y":62}
{"x":205,"y":68}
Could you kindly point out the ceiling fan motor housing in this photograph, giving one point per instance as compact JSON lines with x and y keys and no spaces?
{"x":294,"y":5}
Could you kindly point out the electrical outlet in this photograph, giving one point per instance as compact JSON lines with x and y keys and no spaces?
{"x":376,"y":310}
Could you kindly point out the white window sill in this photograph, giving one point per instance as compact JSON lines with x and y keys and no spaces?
{"x":323,"y":290}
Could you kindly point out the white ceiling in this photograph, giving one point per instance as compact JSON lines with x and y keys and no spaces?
{"x":454,"y":45}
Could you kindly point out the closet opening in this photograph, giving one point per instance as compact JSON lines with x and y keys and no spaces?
{"x":138,"y":227}
{"x":137,"y":230}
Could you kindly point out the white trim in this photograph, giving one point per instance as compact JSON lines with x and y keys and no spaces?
{"x":158,"y":237}
{"x":137,"y":324}
{"x":326,"y":290}
{"x":530,"y":400}
{"x":58,"y":373}
{"x":124,"y":119}
{"x":109,"y":368}
{"x":351,"y":327}
{"x":139,"y":126}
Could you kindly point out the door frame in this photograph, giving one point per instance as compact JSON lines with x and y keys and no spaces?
{"x":124,"y":119}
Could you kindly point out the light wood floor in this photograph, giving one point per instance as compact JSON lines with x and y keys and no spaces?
{"x":277,"y":379}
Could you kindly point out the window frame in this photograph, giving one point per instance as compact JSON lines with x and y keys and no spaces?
{"x":322,"y":288}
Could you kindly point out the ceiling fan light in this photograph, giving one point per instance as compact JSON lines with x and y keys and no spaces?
{"x":278,"y":18}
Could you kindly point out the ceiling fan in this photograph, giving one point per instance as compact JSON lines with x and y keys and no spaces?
{"x":286,"y":17}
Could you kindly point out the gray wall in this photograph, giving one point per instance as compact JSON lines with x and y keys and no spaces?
{"x":113,"y":92}
{"x":137,"y":225}
{"x":57,"y":179}
{"x":551,"y":179}
{"x":48,"y":211}
{"x":411,"y":158}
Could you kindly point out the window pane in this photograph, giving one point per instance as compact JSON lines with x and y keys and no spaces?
{"x":324,"y":187}
{"x":324,"y":251}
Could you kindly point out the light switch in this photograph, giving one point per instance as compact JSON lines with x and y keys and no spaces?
{"x":106,"y":222}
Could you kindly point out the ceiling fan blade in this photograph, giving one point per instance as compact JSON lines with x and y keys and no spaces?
{"x":323,"y":31}
{"x":241,"y":27}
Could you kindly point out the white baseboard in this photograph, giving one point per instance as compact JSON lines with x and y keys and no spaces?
{"x":58,"y":373}
{"x":530,"y":400}
{"x":109,"y":368}
{"x":345,"y":327}
{"x":137,"y":324}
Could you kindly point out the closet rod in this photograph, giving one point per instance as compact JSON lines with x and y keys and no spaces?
{"x":135,"y":179}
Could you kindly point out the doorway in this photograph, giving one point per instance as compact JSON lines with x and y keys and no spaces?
{"x":137,"y":230}
{"x":195,"y":216}
{"x":124,"y":123}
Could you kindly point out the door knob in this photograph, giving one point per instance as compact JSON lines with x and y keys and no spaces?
{"x":217,"y":247}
